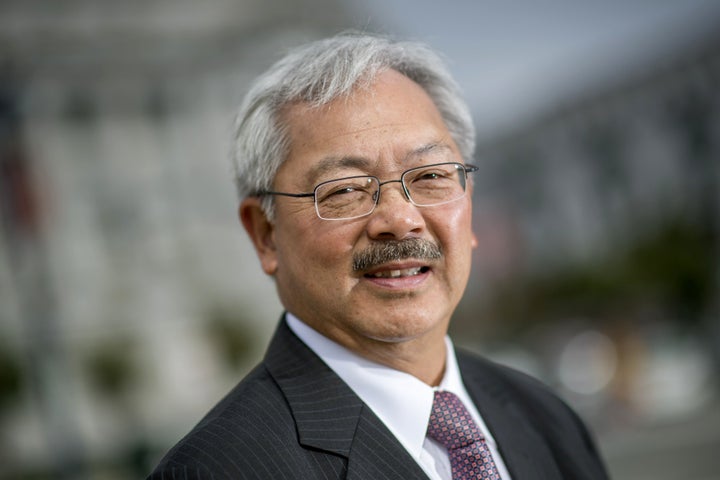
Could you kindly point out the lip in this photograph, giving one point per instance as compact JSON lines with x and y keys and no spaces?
{"x":401,"y":275}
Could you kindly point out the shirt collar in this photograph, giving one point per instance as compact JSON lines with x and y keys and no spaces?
{"x":400,"y":400}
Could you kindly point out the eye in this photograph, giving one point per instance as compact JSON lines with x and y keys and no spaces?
{"x":432,"y":176}
{"x":349,"y":188}
{"x":336,"y":192}
{"x":429,"y":176}
{"x":342,"y":191}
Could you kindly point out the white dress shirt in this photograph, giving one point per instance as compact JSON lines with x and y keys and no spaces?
{"x":400,"y":400}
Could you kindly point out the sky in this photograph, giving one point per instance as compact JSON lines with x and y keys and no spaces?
{"x":516,"y":59}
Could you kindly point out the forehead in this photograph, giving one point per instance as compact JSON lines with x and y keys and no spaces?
{"x":384,"y":124}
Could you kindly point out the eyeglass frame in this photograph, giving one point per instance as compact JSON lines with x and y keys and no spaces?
{"x":466,"y":169}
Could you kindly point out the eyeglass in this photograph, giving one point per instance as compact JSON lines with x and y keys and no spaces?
{"x":354,"y":197}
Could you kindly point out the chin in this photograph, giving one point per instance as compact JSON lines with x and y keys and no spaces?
{"x":405,"y":327}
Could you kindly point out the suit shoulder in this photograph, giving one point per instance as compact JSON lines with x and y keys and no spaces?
{"x":234,"y":438}
{"x":539,"y":403}
{"x":502,"y":378}
{"x":564,"y":431}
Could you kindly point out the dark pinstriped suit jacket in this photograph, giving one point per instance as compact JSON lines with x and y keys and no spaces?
{"x":292,"y":417}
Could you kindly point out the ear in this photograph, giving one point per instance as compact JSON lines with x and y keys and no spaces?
{"x":474,"y":241}
{"x":261,"y":231}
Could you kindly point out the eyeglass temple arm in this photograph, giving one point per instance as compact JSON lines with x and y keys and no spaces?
{"x":284,"y":194}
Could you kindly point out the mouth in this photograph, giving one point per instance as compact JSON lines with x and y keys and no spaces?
{"x":398,"y":272}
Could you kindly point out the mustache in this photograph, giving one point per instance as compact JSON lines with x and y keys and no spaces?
{"x":394,"y":250}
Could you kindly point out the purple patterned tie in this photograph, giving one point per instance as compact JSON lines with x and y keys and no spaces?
{"x":451,"y":425}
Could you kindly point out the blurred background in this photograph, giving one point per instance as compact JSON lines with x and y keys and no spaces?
{"x":131,"y":301}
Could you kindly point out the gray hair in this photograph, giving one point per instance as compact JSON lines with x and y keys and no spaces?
{"x":320,"y":72}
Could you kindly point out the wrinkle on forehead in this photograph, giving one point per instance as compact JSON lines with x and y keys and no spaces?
{"x":331,"y":164}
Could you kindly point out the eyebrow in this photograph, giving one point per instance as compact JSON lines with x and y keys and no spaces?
{"x":331,"y":163}
{"x":429,"y":148}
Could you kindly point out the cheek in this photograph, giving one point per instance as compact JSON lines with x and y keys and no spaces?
{"x":453,"y":226}
{"x":318,"y":247}
{"x":453,"y":229}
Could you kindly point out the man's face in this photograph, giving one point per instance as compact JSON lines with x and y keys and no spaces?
{"x":382,"y":130}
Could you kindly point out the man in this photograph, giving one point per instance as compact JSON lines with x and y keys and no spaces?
{"x":351,"y":163}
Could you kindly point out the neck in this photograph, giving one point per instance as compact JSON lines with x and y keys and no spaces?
{"x":424,"y":358}
{"x":428,"y":365}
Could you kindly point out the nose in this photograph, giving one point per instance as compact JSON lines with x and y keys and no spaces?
{"x":402,"y":188}
{"x":394,"y":217}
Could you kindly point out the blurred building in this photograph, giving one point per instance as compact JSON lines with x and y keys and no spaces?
{"x":130,"y":299}
{"x":129,"y":296}
{"x":599,"y":232}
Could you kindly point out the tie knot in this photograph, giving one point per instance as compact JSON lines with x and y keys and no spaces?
{"x":451,"y":423}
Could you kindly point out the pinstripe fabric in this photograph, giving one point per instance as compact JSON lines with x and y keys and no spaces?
{"x":538,"y":435}
{"x":290,"y":418}
{"x":294,"y":418}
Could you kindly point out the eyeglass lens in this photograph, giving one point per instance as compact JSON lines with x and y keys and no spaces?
{"x":357,"y":196}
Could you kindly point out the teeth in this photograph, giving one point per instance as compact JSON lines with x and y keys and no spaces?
{"x":408,"y":272}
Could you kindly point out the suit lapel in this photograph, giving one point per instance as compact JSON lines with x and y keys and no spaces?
{"x":377,"y":454}
{"x":523,"y":449}
{"x":329,"y":416}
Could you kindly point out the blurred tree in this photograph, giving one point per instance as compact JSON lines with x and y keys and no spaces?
{"x":10,"y":377}
{"x":231,"y":336}
{"x":670,"y":267}
{"x":111,"y":367}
